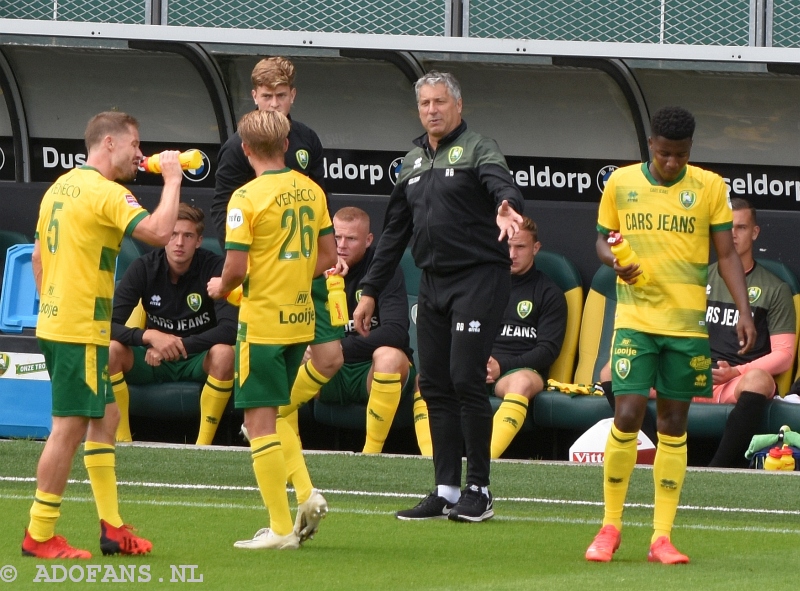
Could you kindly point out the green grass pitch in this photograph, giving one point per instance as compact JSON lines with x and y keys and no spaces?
{"x":741,"y":529}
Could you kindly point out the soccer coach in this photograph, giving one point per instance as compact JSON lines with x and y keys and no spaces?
{"x":453,"y":192}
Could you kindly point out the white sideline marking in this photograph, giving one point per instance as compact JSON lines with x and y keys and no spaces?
{"x":517,"y":519}
{"x":397,"y":495}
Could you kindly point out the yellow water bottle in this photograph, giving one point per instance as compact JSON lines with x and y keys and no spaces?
{"x":190,"y":160}
{"x":621,"y":249}
{"x":774,"y":460}
{"x":787,"y":458}
{"x":337,"y":298}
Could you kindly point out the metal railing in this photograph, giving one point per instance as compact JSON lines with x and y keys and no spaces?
{"x":669,"y":22}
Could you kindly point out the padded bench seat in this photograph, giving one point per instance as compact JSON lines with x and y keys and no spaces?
{"x":561,"y":411}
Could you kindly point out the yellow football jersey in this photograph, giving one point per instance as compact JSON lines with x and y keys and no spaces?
{"x":277,"y":218}
{"x":669,"y":227}
{"x":82,"y":219}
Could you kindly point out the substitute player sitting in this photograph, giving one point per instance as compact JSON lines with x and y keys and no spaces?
{"x":278,"y":227}
{"x":529,"y":340}
{"x":377,"y":368}
{"x":187,"y":336}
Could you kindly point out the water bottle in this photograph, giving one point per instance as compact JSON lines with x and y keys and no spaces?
{"x":190,"y":160}
{"x":625,"y":256}
{"x":774,"y":460}
{"x":787,"y":458}
{"x":337,"y":298}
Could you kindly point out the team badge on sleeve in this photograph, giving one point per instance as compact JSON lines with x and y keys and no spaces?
{"x":524,"y":308}
{"x":131,"y":200}
{"x":302,"y":158}
{"x":195,"y":301}
{"x":235,"y":218}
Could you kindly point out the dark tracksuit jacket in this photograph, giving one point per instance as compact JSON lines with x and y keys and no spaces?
{"x":233,"y":169}
{"x":444,"y":205}
{"x":389,"y":322}
{"x":534,"y":324}
{"x":183,"y":309}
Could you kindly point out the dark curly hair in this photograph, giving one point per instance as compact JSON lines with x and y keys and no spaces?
{"x":673,"y":123}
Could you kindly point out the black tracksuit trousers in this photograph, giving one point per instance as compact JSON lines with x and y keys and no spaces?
{"x":458,"y":317}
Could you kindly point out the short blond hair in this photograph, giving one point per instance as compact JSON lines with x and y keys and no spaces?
{"x":352,"y":214}
{"x":272,"y":72}
{"x":264,"y":132}
{"x":528,"y":225}
{"x":107,"y":123}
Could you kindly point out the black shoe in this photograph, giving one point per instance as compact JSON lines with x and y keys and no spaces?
{"x":473,"y":506}
{"x":431,"y":507}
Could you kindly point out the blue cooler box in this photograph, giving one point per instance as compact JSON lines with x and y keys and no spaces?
{"x":25,"y":398}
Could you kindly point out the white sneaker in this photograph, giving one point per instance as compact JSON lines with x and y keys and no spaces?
{"x":309,"y":514}
{"x":266,"y":538}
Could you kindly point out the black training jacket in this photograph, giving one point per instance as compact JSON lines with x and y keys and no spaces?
{"x":533,"y":325}
{"x":389,"y":327}
{"x":445,"y":203}
{"x":233,"y":169}
{"x":183,"y":309}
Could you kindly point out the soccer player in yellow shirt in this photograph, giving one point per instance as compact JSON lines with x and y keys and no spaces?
{"x":82,"y":219}
{"x":669,"y":211}
{"x":279,"y":228}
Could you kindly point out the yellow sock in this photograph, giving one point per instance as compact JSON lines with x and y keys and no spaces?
{"x":45,"y":511}
{"x":384,"y":396}
{"x":121,"y":394}
{"x":293,"y":420}
{"x":507,"y":422}
{"x":306,"y":385}
{"x":99,"y":459}
{"x":620,"y":458}
{"x":213,"y":400}
{"x":296,"y":470}
{"x":669,"y":470}
{"x":270,"y":468}
{"x":422,"y":426}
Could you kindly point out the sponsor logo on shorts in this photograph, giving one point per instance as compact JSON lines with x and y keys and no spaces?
{"x":700,"y":380}
{"x":623,"y":368}
{"x":302,"y":158}
{"x":455,"y":154}
{"x":688,"y":199}
{"x":524,"y":308}
{"x":629,"y":351}
{"x":195,"y":301}
{"x":753,"y":293}
{"x":700,"y":363}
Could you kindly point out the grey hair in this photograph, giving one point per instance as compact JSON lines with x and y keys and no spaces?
{"x":433,"y":78}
